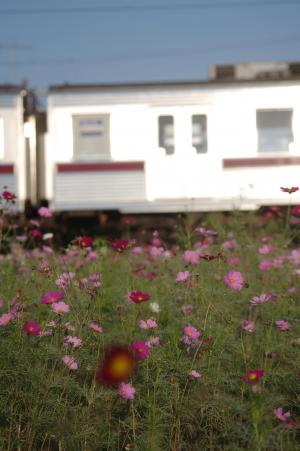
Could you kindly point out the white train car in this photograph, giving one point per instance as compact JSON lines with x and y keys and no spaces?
{"x":229,"y":142}
{"x":12,"y":142}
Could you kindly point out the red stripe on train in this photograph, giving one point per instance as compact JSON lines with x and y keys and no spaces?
{"x":6,"y":169}
{"x":258,"y":162}
{"x":95,"y":167}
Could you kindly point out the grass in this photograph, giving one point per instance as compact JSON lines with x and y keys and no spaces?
{"x":46,"y":406}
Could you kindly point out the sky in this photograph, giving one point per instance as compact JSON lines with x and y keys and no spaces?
{"x":107,"y":41}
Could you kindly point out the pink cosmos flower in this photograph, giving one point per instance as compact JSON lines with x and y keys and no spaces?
{"x":137,"y":250}
{"x":32,"y":328}
{"x":264,"y":297}
{"x":283,"y":325}
{"x":95,"y":327}
{"x":195,"y":374}
{"x":278,"y":412}
{"x":6,"y":318}
{"x":148,"y":324}
{"x":75,"y":342}
{"x":155,"y":251}
{"x":191,"y":332}
{"x":126,"y":391}
{"x":140,"y":350}
{"x":60,"y":308}
{"x":44,"y":212}
{"x":182,"y":276}
{"x":153,"y":341}
{"x":234,"y":280}
{"x":191,"y":257}
{"x":51,"y":297}
{"x":265,"y":265}
{"x":65,"y":279}
{"x":233,"y":261}
{"x":265,"y":249}
{"x":248,"y":326}
{"x":278,"y":262}
{"x":70,"y":362}
{"x":230,"y":244}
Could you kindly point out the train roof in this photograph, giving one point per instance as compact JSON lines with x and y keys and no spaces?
{"x":166,"y":84}
{"x":11,"y":89}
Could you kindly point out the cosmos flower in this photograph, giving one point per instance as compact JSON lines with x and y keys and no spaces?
{"x":137,"y":297}
{"x":148,"y":324}
{"x":32,"y":328}
{"x":264,"y":297}
{"x":252,"y":376}
{"x":75,"y":342}
{"x":120,"y":245}
{"x":280,"y":415}
{"x":182,"y":276}
{"x":51,"y":297}
{"x":9,"y":196}
{"x":191,"y":257}
{"x":234,"y":280}
{"x":140,"y":350}
{"x":195,"y":374}
{"x":6,"y":318}
{"x":44,"y":212}
{"x":118,"y":365}
{"x":84,"y":241}
{"x":291,"y":190}
{"x":191,"y":332}
{"x":126,"y":391}
{"x":283,"y":325}
{"x":248,"y":326}
{"x":60,"y":308}
{"x":94,"y":326}
{"x":70,"y":362}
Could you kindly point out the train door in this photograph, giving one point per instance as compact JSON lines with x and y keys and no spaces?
{"x":182,"y":164}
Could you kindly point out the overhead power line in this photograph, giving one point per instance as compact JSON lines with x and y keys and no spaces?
{"x":148,"y":7}
{"x":275,"y":41}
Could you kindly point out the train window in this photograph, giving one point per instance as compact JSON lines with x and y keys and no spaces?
{"x":274,"y":128}
{"x":166,"y":134}
{"x":91,"y":134}
{"x":1,"y":138}
{"x":199,"y":132}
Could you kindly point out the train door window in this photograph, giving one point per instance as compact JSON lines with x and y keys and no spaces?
{"x":1,"y":138}
{"x":274,"y":128}
{"x":199,"y":132}
{"x":91,"y":134}
{"x":166,"y":134}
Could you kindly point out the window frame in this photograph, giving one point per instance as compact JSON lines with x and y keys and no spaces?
{"x":195,"y":114}
{"x":91,"y":157}
{"x":160,"y":144}
{"x":264,"y":152}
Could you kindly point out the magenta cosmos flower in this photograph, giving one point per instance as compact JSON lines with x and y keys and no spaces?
{"x":283,"y":325}
{"x":70,"y":362}
{"x":140,"y":350}
{"x":252,"y":376}
{"x":51,"y":297}
{"x":126,"y":391}
{"x":137,"y":297}
{"x":60,"y":308}
{"x":32,"y":328}
{"x":234,"y":280}
{"x":278,"y":412}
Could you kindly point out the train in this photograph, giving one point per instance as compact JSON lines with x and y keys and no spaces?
{"x":228,"y":142}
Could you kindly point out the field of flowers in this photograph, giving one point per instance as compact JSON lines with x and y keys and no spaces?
{"x":119,"y":344}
